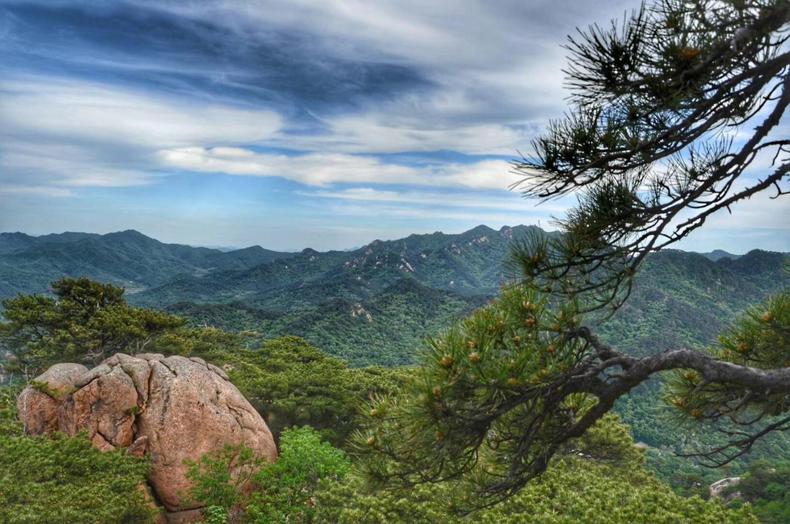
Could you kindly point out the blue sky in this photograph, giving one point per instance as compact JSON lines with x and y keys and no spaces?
{"x":290,"y":123}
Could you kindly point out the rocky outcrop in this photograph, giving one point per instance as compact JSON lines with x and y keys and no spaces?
{"x":174,"y":409}
{"x":718,"y":488}
{"x":38,"y":403}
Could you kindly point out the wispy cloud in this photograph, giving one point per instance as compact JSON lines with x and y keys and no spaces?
{"x":76,"y":133}
{"x":79,"y":111}
{"x":322,"y":169}
{"x":70,"y":165}
{"x":506,"y":201}
{"x":393,"y":132}
{"x":44,"y":191}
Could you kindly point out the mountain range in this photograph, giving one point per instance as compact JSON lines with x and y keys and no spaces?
{"x":375,"y":304}
{"x":127,"y":258}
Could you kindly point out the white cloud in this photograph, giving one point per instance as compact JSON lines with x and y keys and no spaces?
{"x":86,"y":134}
{"x":506,"y":201}
{"x":100,"y":114}
{"x":65,"y":165}
{"x":70,"y":133}
{"x":45,"y":191}
{"x":394,"y":131}
{"x":322,"y":169}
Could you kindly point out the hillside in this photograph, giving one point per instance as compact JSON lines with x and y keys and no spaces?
{"x":467,"y":263}
{"x":373,"y":305}
{"x":376,"y":304}
{"x":679,"y":299}
{"x":384,"y":329}
{"x":28,"y":264}
{"x":683,"y":298}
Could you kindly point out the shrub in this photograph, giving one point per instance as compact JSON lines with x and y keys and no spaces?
{"x":65,"y":480}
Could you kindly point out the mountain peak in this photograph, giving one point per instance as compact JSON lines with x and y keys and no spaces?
{"x":757,"y":261}
{"x":128,"y":233}
{"x":482,"y":229}
{"x":718,"y":254}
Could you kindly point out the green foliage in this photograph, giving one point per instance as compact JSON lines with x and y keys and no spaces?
{"x":285,"y":491}
{"x":291,"y":383}
{"x":85,"y":321}
{"x":215,"y":484}
{"x":202,"y":341}
{"x":215,"y":515}
{"x":759,"y":338}
{"x":685,"y":300}
{"x":501,"y":370}
{"x":573,"y":490}
{"x":280,"y":492}
{"x":600,"y":480}
{"x":63,"y":480}
{"x":43,"y":387}
{"x":766,"y":485}
{"x":9,"y":423}
{"x":494,"y":373}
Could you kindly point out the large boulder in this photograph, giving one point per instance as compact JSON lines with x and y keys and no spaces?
{"x":39,"y":402}
{"x":175,"y":409}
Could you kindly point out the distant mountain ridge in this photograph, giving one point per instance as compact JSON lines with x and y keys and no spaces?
{"x":378,"y":303}
{"x":718,"y":254}
{"x":28,"y":264}
{"x":465,"y":263}
{"x":374,"y":304}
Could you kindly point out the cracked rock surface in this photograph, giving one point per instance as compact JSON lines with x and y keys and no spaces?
{"x":171,"y":408}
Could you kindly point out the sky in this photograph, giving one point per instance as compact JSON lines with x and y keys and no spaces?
{"x":291,"y":123}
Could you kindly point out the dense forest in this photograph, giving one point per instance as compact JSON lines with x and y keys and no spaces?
{"x":312,"y":401}
{"x":680,"y":298}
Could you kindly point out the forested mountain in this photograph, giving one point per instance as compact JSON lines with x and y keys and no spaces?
{"x":374,"y":304}
{"x":467,"y":263}
{"x":28,"y":264}
{"x":385,"y":329}
{"x":718,"y":254}
{"x":685,"y":300}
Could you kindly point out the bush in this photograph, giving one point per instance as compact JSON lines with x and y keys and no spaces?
{"x":285,"y":491}
{"x":65,"y":480}
{"x":9,"y":423}
{"x":574,"y":489}
{"x":282,"y":492}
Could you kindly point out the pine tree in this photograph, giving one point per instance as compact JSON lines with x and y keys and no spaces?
{"x":84,"y":321}
{"x":650,"y":150}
